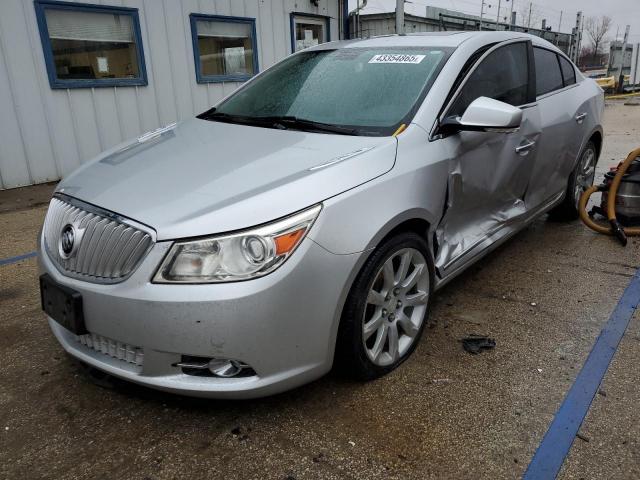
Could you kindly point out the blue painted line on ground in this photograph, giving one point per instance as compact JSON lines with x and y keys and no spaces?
{"x":7,"y":261}
{"x":555,"y":445}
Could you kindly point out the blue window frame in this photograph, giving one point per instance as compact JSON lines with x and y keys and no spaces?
{"x":90,"y":45}
{"x":308,"y":29}
{"x":224,"y":48}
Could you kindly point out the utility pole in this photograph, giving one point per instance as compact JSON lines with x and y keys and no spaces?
{"x":559,"y":26}
{"x":529,"y":20}
{"x":580,"y":33}
{"x":498,"y":16}
{"x":511,"y":20}
{"x":400,"y":17}
{"x":576,"y":37}
{"x":624,"y":49}
{"x":481,"y":13}
{"x":560,"y":22}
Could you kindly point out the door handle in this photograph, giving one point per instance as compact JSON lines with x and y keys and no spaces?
{"x":525,"y":147}
{"x":581,"y":116}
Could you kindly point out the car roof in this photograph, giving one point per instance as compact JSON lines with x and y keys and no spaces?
{"x":434,"y":39}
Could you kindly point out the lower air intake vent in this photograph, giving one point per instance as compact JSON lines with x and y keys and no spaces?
{"x":113,"y":348}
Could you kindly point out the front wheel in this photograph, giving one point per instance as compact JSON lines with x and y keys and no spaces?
{"x":580,"y":179}
{"x":387,"y":308}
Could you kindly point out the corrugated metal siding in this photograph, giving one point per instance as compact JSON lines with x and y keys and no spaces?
{"x":45,"y":133}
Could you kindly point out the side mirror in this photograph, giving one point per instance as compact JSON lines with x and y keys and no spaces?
{"x":485,"y":115}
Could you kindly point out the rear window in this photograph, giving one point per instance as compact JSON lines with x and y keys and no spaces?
{"x":568,"y":72}
{"x":548,"y":74}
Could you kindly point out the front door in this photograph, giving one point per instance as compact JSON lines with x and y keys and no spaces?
{"x":489,"y":172}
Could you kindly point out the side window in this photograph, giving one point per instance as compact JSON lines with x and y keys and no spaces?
{"x":502,"y":75}
{"x":568,"y":72}
{"x":548,"y":75}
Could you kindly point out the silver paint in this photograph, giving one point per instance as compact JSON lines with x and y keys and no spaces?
{"x":469,"y":192}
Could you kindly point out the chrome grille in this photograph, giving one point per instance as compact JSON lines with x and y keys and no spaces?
{"x":109,"y":247}
{"x":113,"y":348}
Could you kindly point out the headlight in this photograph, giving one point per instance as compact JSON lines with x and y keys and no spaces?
{"x":238,"y":256}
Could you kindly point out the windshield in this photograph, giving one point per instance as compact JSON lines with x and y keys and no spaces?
{"x":361,"y":91}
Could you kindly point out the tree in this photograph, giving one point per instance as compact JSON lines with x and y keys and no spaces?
{"x":597,"y":28}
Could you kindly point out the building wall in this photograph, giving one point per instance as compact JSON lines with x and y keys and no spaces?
{"x":46,"y":133}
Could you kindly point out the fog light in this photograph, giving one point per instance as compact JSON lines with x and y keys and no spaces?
{"x":221,"y":367}
{"x":214,"y":367}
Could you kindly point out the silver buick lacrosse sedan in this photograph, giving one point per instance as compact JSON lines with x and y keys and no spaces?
{"x":307,"y":219}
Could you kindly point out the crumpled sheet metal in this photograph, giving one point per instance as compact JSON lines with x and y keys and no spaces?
{"x":485,"y":190}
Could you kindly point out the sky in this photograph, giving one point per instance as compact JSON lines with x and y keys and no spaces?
{"x":622,"y":12}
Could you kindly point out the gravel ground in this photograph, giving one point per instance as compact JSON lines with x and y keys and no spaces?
{"x":543,"y":296}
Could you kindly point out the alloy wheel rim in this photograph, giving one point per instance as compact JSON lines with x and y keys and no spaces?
{"x":395,"y":307}
{"x":585,"y":174}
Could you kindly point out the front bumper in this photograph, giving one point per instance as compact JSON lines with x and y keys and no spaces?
{"x":283,"y":325}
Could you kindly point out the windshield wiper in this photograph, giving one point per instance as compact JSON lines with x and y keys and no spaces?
{"x":214,"y":115}
{"x":283,"y":122}
{"x":289,"y":121}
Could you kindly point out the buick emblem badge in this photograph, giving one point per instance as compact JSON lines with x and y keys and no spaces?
{"x":67,"y":240}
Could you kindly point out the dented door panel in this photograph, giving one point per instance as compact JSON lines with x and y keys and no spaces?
{"x":487,"y":185}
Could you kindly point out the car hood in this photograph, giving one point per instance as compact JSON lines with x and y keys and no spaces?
{"x":201,"y":177}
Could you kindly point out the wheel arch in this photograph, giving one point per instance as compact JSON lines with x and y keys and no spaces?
{"x":596,"y":135}
{"x":412,"y":221}
{"x":597,"y":138}
{"x":415,"y":220}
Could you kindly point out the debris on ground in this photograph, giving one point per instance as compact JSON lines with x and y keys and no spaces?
{"x":476,"y":343}
{"x":582,"y":437}
{"x":318,"y":458}
{"x":441,"y":380}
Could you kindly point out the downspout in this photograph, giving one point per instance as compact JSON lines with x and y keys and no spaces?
{"x":356,"y":15}
{"x":346,"y":35}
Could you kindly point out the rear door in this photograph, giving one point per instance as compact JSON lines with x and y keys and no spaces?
{"x":489,"y":171}
{"x":562,"y":126}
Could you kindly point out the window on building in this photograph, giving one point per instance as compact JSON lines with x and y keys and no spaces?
{"x":90,"y":45}
{"x":568,"y":72}
{"x":308,"y":30}
{"x":503,"y":76}
{"x":224,"y":48}
{"x":548,"y":75}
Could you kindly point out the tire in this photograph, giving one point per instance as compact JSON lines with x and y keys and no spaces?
{"x":580,"y":179}
{"x":379,"y":298}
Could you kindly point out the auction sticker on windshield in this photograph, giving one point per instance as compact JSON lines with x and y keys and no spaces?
{"x":396,"y":58}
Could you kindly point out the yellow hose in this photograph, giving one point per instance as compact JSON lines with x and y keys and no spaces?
{"x":611,"y":204}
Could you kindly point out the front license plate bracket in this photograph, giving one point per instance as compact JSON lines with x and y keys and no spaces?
{"x":62,"y":304}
